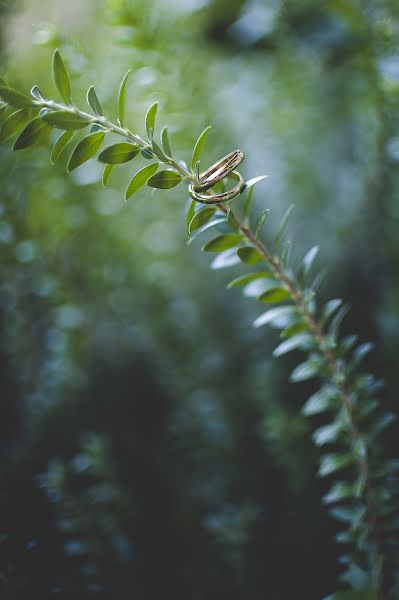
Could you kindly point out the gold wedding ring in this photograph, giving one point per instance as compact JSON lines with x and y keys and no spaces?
{"x":209,"y":198}
{"x":217,"y":172}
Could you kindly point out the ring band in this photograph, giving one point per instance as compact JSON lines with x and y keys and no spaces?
{"x":219,"y":170}
{"x":208,"y":198}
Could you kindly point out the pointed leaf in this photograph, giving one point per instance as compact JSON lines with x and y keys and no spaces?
{"x":341,"y":490}
{"x":37,"y":94}
{"x":331,"y":463}
{"x":35,"y":132}
{"x":86,"y":149}
{"x":274,"y":313}
{"x":320,"y":401}
{"x":94,"y":102}
{"x":223,"y":242}
{"x":65,"y":119}
{"x":248,"y":204}
{"x":199,"y":144}
{"x":106,"y":173}
{"x":327,"y":434}
{"x":122,"y":99}
{"x":330,"y":308}
{"x":227,"y":258}
{"x":249,"y":255}
{"x":15,"y":98}
{"x":251,"y":182}
{"x":61,"y":77}
{"x":164,"y":180}
{"x":275,"y":295}
{"x":261,"y":221}
{"x":140,"y":179}
{"x":245,"y":279}
{"x":283,"y":225}
{"x":201,"y":217}
{"x":14,"y":123}
{"x":159,"y":152}
{"x":306,"y":370}
{"x":302,"y":341}
{"x":148,"y":154}
{"x":119,"y":153}
{"x":190,"y":214}
{"x":166,"y":142}
{"x":61,"y":144}
{"x":308,"y":261}
{"x":150,"y":120}
{"x":214,"y":223}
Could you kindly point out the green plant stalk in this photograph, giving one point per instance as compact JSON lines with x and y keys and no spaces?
{"x":106,"y":124}
{"x":331,"y":360}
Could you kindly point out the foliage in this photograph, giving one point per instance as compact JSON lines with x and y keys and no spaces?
{"x":362,"y":492}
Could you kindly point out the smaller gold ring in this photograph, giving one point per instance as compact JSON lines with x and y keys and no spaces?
{"x":209,"y":198}
{"x":218,"y":171}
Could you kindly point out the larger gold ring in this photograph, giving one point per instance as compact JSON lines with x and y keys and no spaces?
{"x":209,"y":198}
{"x":219,"y":170}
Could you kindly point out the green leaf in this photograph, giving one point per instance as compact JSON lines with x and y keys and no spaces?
{"x":341,"y":490}
{"x":331,"y":463}
{"x":14,"y":98}
{"x":320,"y":401}
{"x":150,"y":120}
{"x":148,"y":154}
{"x":261,"y":221}
{"x":294,"y":328}
{"x":106,"y":173}
{"x":330,"y":308}
{"x":3,"y":108}
{"x":86,"y":149}
{"x":227,"y":258}
{"x":223,"y":242}
{"x":248,"y":204}
{"x":94,"y":102}
{"x":275,"y":295}
{"x":302,"y":340}
{"x":248,"y":278}
{"x":14,"y":123}
{"x":249,"y":255}
{"x":274,"y":314}
{"x":122,"y":99}
{"x":283,"y":225}
{"x":190,"y":214}
{"x":159,"y":152}
{"x":119,"y":153}
{"x":60,"y":145}
{"x":199,"y":144}
{"x":251,"y":182}
{"x":65,"y":119}
{"x":201,"y":217}
{"x":306,"y":370}
{"x":140,"y":179}
{"x":213,"y":223}
{"x":61,"y":77}
{"x":164,"y":180}
{"x":307,"y":262}
{"x":37,"y":94}
{"x":36,"y":131}
{"x":166,"y":142}
{"x":327,"y":434}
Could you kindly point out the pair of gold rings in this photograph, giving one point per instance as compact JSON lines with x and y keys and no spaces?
{"x":225,"y":167}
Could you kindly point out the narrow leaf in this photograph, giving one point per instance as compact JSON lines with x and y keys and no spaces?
{"x":166,"y":142}
{"x":140,"y":179}
{"x":165,"y":180}
{"x":283,"y":225}
{"x":251,"y":182}
{"x":199,"y":144}
{"x":148,"y":154}
{"x":227,"y":258}
{"x":249,"y":255}
{"x":223,"y":242}
{"x":327,"y":434}
{"x":37,"y":94}
{"x":94,"y":102}
{"x":106,"y":173}
{"x":341,"y":490}
{"x":274,"y":314}
{"x":302,"y":341}
{"x":261,"y":221}
{"x":330,"y":308}
{"x":14,"y":123}
{"x":61,"y":77}
{"x":150,"y":120}
{"x":122,"y":99}
{"x":331,"y":463}
{"x":275,"y":295}
{"x":65,"y":119}
{"x":119,"y":153}
{"x":200,"y":218}
{"x":36,"y":131}
{"x":60,"y":145}
{"x":320,"y":401}
{"x":305,"y":371}
{"x":248,"y":278}
{"x":190,"y":214}
{"x":309,"y":259}
{"x":14,"y":98}
{"x":159,"y":152}
{"x":213,"y":223}
{"x":86,"y":149}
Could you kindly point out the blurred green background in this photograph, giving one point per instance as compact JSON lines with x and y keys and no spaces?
{"x":150,"y":445}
